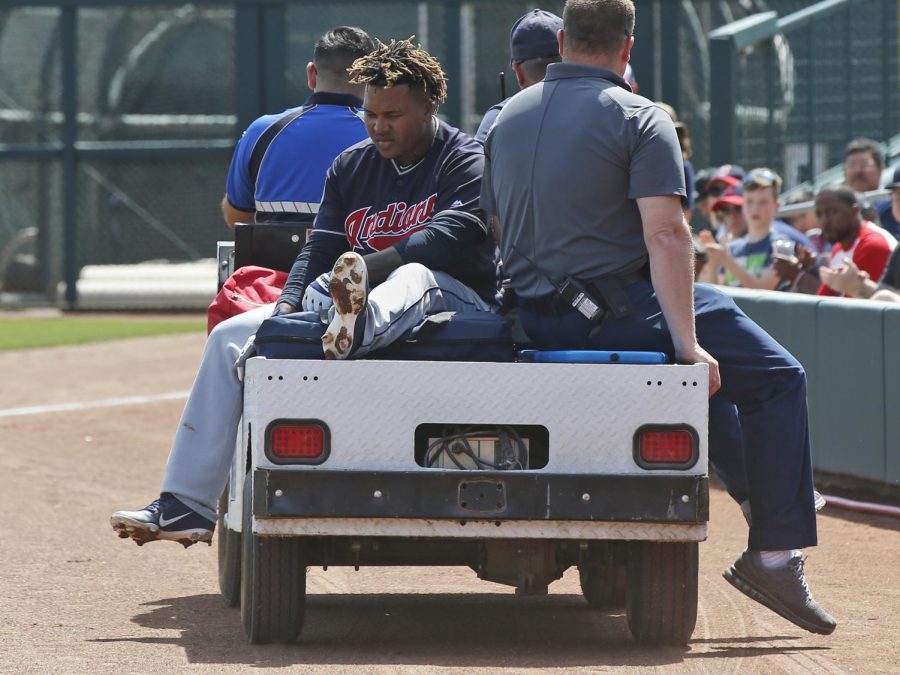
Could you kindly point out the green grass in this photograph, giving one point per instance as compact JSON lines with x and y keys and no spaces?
{"x":28,"y":333}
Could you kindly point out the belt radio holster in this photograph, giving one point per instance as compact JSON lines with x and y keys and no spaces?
{"x":596,"y":300}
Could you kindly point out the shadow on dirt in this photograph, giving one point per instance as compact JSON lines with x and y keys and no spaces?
{"x":451,"y":631}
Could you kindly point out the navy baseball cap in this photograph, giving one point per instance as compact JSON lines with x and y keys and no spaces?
{"x":896,"y":182}
{"x":534,"y":36}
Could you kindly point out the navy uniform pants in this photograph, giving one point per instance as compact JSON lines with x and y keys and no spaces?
{"x":758,"y":421}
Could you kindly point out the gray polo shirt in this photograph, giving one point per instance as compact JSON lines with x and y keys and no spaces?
{"x":565,"y":161}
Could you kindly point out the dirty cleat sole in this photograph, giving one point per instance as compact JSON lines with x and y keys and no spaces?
{"x":142,"y":533}
{"x":348,"y":288}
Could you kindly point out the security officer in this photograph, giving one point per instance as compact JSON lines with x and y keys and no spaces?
{"x":583,"y":181}
{"x":532,"y":47}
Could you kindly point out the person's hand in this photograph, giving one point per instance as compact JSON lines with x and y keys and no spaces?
{"x":847,"y":279}
{"x":284,"y":308}
{"x":247,"y":351}
{"x":805,"y":258}
{"x":317,"y":298}
{"x":786,"y":270}
{"x":697,"y":354}
{"x":715,"y":252}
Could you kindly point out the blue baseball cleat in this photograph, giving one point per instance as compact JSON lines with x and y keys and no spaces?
{"x":165,"y":518}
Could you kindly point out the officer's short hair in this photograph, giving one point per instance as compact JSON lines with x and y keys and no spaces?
{"x":598,"y":26}
{"x":339,"y":47}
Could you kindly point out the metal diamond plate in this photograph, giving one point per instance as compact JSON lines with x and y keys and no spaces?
{"x":512,"y":529}
{"x":373,"y":407}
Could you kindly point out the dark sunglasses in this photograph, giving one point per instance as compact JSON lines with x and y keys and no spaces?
{"x":729,"y":210}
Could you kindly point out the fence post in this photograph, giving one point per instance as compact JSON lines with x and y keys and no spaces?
{"x":669,"y":36}
{"x":274,"y":61}
{"x":249,"y":85}
{"x":722,"y":99}
{"x":452,"y":63}
{"x":69,"y":57}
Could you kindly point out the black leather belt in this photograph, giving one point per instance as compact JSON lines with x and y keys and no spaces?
{"x":553,"y":304}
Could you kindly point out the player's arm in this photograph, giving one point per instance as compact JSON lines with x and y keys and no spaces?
{"x":235,"y":215}
{"x":458,"y":222}
{"x":326,"y":242}
{"x":239,"y":202}
{"x":668,"y":240}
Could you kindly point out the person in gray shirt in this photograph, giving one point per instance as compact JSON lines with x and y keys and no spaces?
{"x":583,"y":180}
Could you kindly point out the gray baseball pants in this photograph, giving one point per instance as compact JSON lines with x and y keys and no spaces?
{"x":204,"y":443}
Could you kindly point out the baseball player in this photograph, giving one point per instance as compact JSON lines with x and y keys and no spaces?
{"x":532,"y":47}
{"x":585,"y":178}
{"x":401,"y":211}
{"x":278,"y":168}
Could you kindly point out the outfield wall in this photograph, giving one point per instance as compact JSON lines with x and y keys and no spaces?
{"x":851,"y":352}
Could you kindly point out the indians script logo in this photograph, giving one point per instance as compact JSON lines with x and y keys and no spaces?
{"x":385,"y":228}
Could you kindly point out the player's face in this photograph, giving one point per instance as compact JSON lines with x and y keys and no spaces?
{"x":399,"y":122}
{"x":835,"y":217}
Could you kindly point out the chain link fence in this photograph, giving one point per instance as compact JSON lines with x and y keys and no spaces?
{"x":151,"y":75}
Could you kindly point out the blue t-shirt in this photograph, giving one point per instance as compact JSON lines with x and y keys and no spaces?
{"x":755,"y":257}
{"x":886,"y":216}
{"x":291,"y":173}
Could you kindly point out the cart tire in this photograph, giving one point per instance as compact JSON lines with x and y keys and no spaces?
{"x":229,"y":548}
{"x":273,"y":582}
{"x":603,"y":583}
{"x":661,"y":601}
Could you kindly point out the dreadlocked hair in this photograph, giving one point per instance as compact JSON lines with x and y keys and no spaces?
{"x":401,"y":62}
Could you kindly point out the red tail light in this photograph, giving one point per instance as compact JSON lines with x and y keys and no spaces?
{"x":666,"y":447}
{"x":297,"y":442}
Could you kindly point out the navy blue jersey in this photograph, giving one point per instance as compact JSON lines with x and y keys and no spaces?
{"x":279,"y":165}
{"x":428,"y":211}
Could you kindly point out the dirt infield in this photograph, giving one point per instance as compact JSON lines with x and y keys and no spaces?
{"x":75,"y":599}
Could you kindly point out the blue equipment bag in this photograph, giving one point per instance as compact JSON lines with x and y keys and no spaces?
{"x":291,"y":336}
{"x":448,"y":336}
{"x":591,"y":356}
{"x":454,"y":336}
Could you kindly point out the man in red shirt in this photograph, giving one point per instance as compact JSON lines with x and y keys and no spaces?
{"x":855,"y":240}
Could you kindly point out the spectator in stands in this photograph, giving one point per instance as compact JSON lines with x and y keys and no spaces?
{"x":889,"y":210}
{"x":532,"y":47}
{"x":854,"y":239}
{"x":863,"y":163}
{"x":747,"y":260}
{"x":278,"y":169}
{"x":807,"y":224}
{"x":855,"y":283}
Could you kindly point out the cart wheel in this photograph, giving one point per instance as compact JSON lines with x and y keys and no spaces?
{"x":229,"y":547}
{"x":603,"y":582}
{"x":273,"y":582}
{"x":661,"y":601}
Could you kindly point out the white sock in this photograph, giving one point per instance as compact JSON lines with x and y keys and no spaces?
{"x":772,"y":559}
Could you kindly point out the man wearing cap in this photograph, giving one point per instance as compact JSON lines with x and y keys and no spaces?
{"x":586,"y":177}
{"x":532,"y":47}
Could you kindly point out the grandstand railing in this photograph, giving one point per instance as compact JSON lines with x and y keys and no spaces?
{"x":783,"y":97}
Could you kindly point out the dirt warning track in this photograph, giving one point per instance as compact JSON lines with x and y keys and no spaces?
{"x":85,"y":430}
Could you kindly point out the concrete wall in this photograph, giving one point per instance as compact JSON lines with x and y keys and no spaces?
{"x":851,"y":352}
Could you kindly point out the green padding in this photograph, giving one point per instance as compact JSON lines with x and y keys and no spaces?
{"x":892,"y":392}
{"x":792,"y":320}
{"x":850,"y":389}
